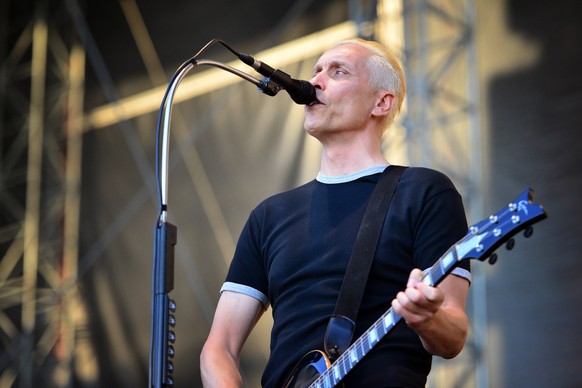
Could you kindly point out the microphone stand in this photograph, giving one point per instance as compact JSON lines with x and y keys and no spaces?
{"x":163,"y":337}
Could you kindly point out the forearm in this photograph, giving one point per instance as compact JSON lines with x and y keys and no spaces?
{"x":235,"y":317}
{"x":219,"y":369}
{"x":445,"y":333}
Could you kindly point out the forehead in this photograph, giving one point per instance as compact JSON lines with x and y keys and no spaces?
{"x":348,"y":54}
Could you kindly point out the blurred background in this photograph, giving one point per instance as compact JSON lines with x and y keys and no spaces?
{"x":494,"y":100}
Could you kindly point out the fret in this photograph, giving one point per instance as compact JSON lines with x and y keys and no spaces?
{"x":327,"y":383}
{"x":380,"y":329}
{"x":366,"y":343}
{"x":356,"y":354}
{"x":360,"y":348}
{"x":427,"y":279}
{"x":354,"y":357}
{"x":441,"y":271}
{"x":449,"y":260}
{"x":395,"y":317}
{"x":388,"y":320}
{"x":341,"y":372}
{"x":437,"y":273}
{"x":346,"y":367}
{"x":336,"y":371}
{"x":373,"y":337}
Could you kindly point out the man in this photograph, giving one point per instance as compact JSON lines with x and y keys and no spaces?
{"x":294,"y":249}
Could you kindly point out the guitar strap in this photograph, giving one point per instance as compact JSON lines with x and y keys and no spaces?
{"x":340,"y":328}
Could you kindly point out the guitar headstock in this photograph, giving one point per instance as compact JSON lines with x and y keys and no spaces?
{"x":487,"y":235}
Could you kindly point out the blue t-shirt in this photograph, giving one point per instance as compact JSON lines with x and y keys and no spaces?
{"x":293,"y":253}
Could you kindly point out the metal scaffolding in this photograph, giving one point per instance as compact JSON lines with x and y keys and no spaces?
{"x":441,"y":124}
{"x":41,"y":95}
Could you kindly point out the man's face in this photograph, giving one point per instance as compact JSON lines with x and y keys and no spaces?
{"x":344,"y":97}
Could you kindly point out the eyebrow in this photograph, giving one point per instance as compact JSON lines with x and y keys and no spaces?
{"x":334,"y":63}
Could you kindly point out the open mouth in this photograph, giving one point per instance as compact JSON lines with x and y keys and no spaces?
{"x":315,"y":102}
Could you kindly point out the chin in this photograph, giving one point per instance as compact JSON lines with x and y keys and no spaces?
{"x":311,"y":130}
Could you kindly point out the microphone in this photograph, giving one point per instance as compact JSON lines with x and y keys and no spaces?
{"x":301,"y":91}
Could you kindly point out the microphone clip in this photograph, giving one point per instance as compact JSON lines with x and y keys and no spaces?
{"x":269,"y":87}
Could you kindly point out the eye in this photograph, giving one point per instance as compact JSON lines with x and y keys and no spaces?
{"x":340,"y":71}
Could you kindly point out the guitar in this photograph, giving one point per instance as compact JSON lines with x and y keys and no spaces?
{"x":315,"y":369}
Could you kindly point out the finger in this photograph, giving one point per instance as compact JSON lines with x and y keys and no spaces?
{"x":407,"y":310}
{"x":415,"y":277}
{"x":413,"y":297}
{"x":399,"y":306}
{"x":428,"y":299}
{"x":413,"y":301}
{"x":432,"y":294}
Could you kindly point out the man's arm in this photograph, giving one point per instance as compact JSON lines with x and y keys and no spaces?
{"x":437,"y":314}
{"x":234,"y":319}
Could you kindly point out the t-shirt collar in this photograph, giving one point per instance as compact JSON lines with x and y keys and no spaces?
{"x":350,"y":177}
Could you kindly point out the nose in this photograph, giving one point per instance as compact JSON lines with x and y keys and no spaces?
{"x":318,"y":80}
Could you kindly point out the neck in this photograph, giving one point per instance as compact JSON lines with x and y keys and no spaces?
{"x":350,"y":156}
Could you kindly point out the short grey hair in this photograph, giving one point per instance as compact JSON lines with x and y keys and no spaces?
{"x":385,"y":72}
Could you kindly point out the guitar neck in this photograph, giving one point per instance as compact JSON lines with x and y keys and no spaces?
{"x":384,"y":325}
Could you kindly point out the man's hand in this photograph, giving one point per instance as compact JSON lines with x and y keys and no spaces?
{"x":437,"y":314}
{"x":419,"y":302}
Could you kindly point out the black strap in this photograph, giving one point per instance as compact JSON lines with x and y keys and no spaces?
{"x":342,"y":323}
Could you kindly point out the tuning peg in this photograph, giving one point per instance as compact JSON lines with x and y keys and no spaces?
{"x":510,"y":244}
{"x":528,"y":231}
{"x":493,"y":259}
{"x":171,"y":336}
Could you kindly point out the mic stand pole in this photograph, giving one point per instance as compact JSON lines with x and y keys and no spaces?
{"x":165,"y":238}
{"x":163,"y":308}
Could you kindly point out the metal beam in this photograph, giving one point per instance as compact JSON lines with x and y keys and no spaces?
{"x":33,"y":191}
{"x":442,"y":130}
{"x":40,"y":189}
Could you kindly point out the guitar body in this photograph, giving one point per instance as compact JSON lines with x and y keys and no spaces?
{"x":308,"y":369}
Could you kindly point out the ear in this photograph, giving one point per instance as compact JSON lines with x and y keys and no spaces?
{"x":384,"y":104}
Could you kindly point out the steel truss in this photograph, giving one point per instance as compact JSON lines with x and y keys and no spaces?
{"x":441,"y":124}
{"x":41,"y":94}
